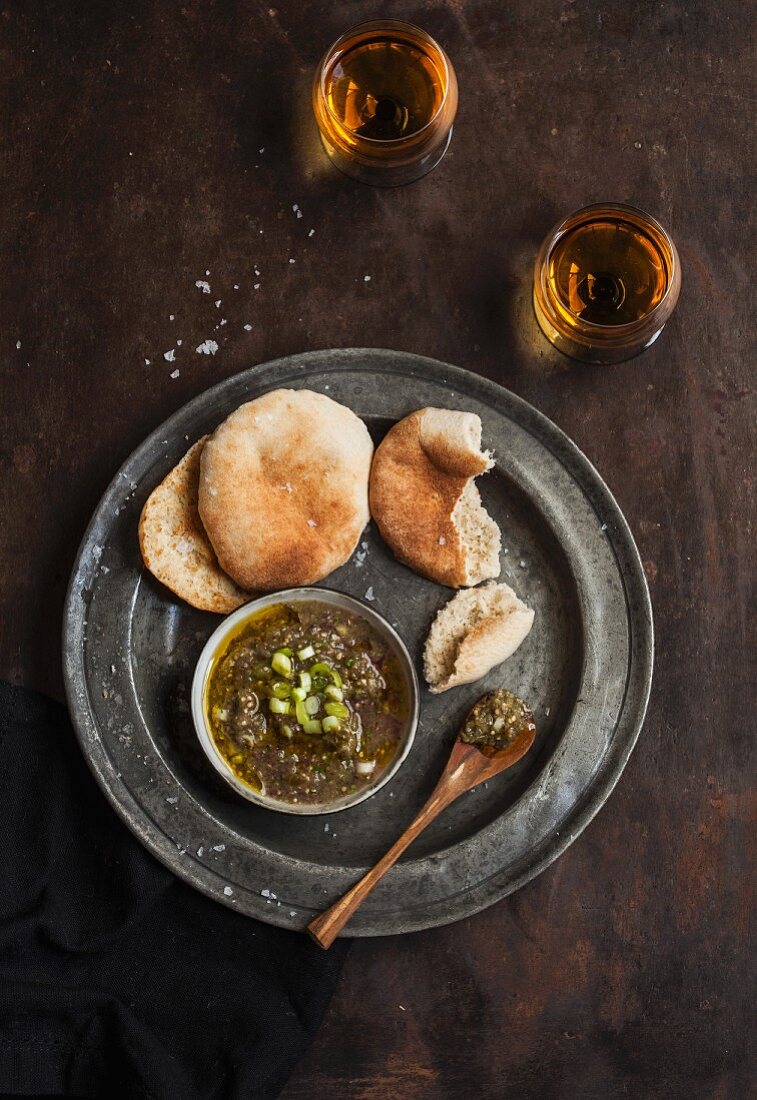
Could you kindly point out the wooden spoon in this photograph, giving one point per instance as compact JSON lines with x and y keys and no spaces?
{"x":469,"y":764}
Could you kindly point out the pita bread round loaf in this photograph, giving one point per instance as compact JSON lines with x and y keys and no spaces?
{"x":175,"y":547}
{"x":284,"y":488}
{"x":425,"y":501}
{"x":475,"y":631}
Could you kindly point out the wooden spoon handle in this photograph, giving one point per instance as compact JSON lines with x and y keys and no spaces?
{"x":325,"y":928}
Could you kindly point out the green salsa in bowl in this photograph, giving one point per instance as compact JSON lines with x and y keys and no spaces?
{"x":305,"y":701}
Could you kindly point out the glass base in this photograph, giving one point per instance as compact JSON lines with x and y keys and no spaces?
{"x":382,"y":174}
{"x":588,"y":353}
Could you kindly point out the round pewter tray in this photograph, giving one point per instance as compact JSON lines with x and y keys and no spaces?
{"x":130,"y":647}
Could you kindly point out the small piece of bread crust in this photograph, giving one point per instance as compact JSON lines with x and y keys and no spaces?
{"x":175,"y":547}
{"x":425,"y":502}
{"x":284,"y":488}
{"x":475,"y":631}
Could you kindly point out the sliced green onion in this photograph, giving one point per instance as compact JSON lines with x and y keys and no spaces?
{"x":286,"y":650}
{"x":312,"y":704}
{"x":305,"y":653}
{"x":281,"y":663}
{"x":330,"y":724}
{"x":319,"y":683}
{"x":326,"y":670}
{"x":335,"y":693}
{"x":312,"y":726}
{"x":279,"y":706}
{"x":299,"y":695}
{"x":281,"y":689}
{"x":301,"y":713}
{"x":337,"y":710}
{"x":306,"y":681}
{"x":287,"y":731}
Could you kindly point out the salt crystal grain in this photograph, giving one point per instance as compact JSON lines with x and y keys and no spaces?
{"x":505,"y":551}
{"x":169,"y":356}
{"x":292,"y":261}
{"x":326,"y":827}
{"x":547,"y":710}
{"x":174,"y":374}
{"x":287,"y":487}
{"x":369,"y":594}
{"x":311,"y":233}
{"x":200,"y":850}
{"x":218,"y":304}
{"x":236,"y":286}
{"x":292,"y":912}
{"x":179,"y":343}
{"x":147,"y":362}
{"x":366,"y":278}
{"x":262,"y":150}
{"x":228,"y":891}
{"x":223,"y":321}
{"x":171,"y":316}
{"x":248,"y":328}
{"x":203,"y":286}
{"x":207,"y":347}
{"x":312,"y":523}
{"x":219,"y":847}
{"x":442,"y":540}
{"x":256,"y":270}
{"x":522,"y":563}
{"x":268,"y":894}
{"x":603,"y":527}
{"x":402,"y":1007}
{"x":18,"y":344}
{"x":256,"y":286}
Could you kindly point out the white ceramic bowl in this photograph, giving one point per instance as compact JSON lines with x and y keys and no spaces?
{"x":293,"y":596}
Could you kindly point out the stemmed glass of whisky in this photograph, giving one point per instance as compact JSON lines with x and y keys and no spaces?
{"x":606,"y":280}
{"x":385,"y":99}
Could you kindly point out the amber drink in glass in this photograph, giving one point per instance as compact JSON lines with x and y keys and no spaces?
{"x":606,"y":280}
{"x":385,"y":98}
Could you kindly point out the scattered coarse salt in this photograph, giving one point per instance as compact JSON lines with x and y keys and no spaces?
{"x":217,"y":304}
{"x":169,"y":356}
{"x":207,"y":347}
{"x":366,"y":278}
{"x":402,"y":1007}
{"x":292,"y":261}
{"x":175,"y":373}
{"x":311,"y":233}
{"x":442,"y":540}
{"x":18,"y":345}
{"x":296,"y":210}
{"x":312,"y":523}
{"x":603,"y":527}
{"x":171,"y":316}
{"x":326,"y":827}
{"x":369,"y":594}
{"x":505,"y":550}
{"x":228,"y":891}
{"x":287,"y":487}
{"x":547,"y":710}
{"x":262,"y":150}
{"x":268,"y":894}
{"x":147,"y":362}
{"x":219,"y":847}
{"x":522,"y":563}
{"x":200,"y":850}
{"x":203,"y":286}
{"x":292,"y":912}
{"x":248,"y":328}
{"x":256,"y":286}
{"x":223,"y":322}
{"x":173,"y":800}
{"x":236,"y":286}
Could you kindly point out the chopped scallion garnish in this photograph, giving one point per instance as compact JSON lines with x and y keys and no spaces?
{"x":305,"y":653}
{"x":281,"y":663}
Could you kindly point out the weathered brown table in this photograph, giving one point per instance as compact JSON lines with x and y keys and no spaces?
{"x":150,"y":145}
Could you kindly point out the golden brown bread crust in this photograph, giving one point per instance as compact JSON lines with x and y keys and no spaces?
{"x":175,"y":547}
{"x":419,"y":473}
{"x":284,"y":488}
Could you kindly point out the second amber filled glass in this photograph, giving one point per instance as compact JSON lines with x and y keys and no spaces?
{"x":385,"y":99}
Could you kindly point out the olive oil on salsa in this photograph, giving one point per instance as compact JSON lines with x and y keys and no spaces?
{"x":306,"y":703}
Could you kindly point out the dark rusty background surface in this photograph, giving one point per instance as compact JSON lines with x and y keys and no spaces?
{"x":145,"y":143}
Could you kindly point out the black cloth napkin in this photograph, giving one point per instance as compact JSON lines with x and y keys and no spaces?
{"x":118,"y":980}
